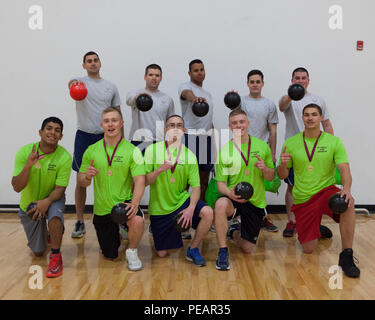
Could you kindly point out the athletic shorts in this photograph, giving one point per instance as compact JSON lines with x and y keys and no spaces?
{"x":290,"y":179}
{"x":202,"y":147}
{"x":108,"y":233}
{"x":36,"y":230}
{"x":309,"y":214}
{"x":82,"y":141}
{"x":251,"y":219}
{"x":165,"y":235}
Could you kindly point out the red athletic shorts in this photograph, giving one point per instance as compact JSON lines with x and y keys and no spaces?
{"x":309,"y":214}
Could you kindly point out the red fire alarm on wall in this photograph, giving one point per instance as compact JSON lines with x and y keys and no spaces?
{"x":359,"y":45}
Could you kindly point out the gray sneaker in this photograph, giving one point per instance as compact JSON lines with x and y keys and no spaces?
{"x":79,"y":230}
{"x":186,"y":235}
{"x":123,"y":231}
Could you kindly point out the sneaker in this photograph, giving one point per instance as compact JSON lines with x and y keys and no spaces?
{"x":149,"y":229}
{"x":123,"y":231}
{"x":194,"y":256}
{"x":134,"y":263}
{"x":235,"y":225}
{"x":55,"y":266}
{"x":325,"y":232}
{"x":269,"y":226}
{"x":212,"y":229}
{"x":79,"y":230}
{"x":186,"y":235}
{"x":346,"y":262}
{"x":290,"y":230}
{"x":222,"y":261}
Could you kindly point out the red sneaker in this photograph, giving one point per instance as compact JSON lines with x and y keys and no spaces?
{"x":290,"y":230}
{"x":55,"y":266}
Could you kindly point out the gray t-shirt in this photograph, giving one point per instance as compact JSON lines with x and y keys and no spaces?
{"x":149,"y":125}
{"x":260,"y":112}
{"x":101,"y":94}
{"x":293,"y":115}
{"x":191,"y":120}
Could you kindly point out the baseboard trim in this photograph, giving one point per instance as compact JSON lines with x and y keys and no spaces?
{"x":70,"y":208}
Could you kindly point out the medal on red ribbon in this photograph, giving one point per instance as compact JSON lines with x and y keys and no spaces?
{"x":110,"y":172}
{"x":247,"y":171}
{"x":310,"y":156}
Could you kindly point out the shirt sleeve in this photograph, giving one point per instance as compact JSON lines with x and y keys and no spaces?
{"x":340,"y":155}
{"x":63,"y":174}
{"x":137,"y":167}
{"x":193,"y":179}
{"x":184,"y":86}
{"x":268,"y":157}
{"x":272,"y":116}
{"x":221,"y":168}
{"x":116,"y":101}
{"x":149,"y":159}
{"x":86,"y":160}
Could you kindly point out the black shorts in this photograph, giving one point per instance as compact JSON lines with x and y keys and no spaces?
{"x":251,"y":219}
{"x":108,"y":234}
{"x":290,"y":178}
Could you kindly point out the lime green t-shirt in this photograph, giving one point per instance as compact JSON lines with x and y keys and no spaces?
{"x":165,"y":196}
{"x":109,"y":190}
{"x":55,"y":169}
{"x":231,"y":168}
{"x":329,"y":152}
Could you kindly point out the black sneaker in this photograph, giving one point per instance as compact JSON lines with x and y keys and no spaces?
{"x":222,"y":261}
{"x":290,"y":230}
{"x":346,"y":262}
{"x":325,"y":232}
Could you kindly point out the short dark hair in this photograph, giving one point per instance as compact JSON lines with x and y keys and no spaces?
{"x":153,"y":66}
{"x":300,"y":69}
{"x":237,"y":112}
{"x":253,"y":73}
{"x":313,"y":105}
{"x":194,"y":62}
{"x":173,"y":116}
{"x":90,"y":53}
{"x":54,"y":120}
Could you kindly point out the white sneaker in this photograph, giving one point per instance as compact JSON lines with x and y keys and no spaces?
{"x":123,"y":232}
{"x":134,"y":263}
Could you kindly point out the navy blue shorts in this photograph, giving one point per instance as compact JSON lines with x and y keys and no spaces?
{"x":202,"y":148}
{"x":165,"y":235}
{"x":290,"y":179}
{"x":82,"y":141}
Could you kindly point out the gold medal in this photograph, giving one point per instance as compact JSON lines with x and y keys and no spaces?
{"x":109,"y":173}
{"x":172,"y":180}
{"x":37,"y":165}
{"x":247,"y":172}
{"x":310,"y":168}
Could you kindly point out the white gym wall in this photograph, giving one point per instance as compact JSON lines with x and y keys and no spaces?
{"x":43,"y":42}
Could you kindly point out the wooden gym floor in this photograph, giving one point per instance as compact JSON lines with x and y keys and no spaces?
{"x":278,"y":270}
